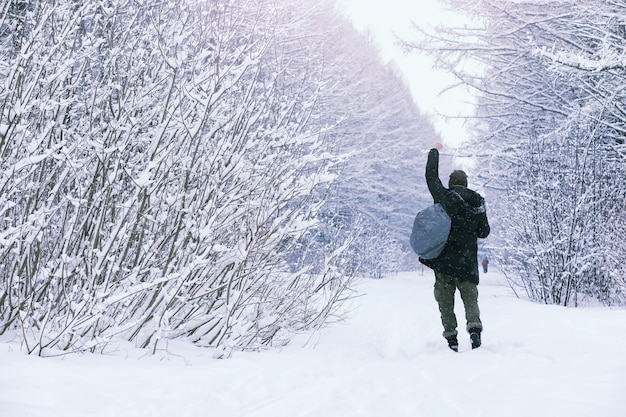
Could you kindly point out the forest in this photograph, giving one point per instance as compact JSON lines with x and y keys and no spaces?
{"x":215,"y":171}
{"x":222,"y":171}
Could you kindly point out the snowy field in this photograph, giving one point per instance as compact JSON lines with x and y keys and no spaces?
{"x":388,"y":360}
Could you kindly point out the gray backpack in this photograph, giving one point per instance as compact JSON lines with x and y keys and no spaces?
{"x":431,"y":228}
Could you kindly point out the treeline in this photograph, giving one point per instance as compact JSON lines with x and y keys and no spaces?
{"x":167,"y":167}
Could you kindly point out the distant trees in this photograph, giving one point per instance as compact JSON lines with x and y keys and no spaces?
{"x":551,"y":143}
{"x":384,"y":137}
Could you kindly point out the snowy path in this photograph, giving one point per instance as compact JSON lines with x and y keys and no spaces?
{"x":388,"y":360}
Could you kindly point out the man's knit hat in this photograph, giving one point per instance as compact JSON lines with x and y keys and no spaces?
{"x":458,"y":177}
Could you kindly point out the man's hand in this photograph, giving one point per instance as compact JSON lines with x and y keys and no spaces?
{"x":438,"y":146}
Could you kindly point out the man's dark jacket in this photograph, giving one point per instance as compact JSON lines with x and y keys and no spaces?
{"x":466,"y":209}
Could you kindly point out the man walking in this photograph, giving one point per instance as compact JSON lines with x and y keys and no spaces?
{"x":457,"y":265}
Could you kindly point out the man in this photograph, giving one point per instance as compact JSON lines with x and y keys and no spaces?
{"x":457,"y":265}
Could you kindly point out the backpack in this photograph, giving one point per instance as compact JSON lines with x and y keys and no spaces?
{"x":431,"y":228}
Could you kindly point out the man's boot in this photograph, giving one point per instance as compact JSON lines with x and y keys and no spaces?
{"x":475,"y":337}
{"x":453,"y":343}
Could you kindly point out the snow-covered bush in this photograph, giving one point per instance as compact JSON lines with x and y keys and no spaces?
{"x":160,"y":163}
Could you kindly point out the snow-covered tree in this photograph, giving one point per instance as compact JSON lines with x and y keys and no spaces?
{"x":159,"y":167}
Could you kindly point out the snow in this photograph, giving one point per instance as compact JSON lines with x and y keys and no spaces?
{"x":388,"y":359}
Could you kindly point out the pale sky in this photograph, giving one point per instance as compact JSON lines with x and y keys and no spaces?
{"x":383,"y":18}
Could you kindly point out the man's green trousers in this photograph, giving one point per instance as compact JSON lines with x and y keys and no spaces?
{"x":445,"y":288}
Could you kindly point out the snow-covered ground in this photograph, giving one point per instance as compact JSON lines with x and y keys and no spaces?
{"x":389,"y":359}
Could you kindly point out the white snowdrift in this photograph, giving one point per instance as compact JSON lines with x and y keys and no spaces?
{"x":389,"y":359}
